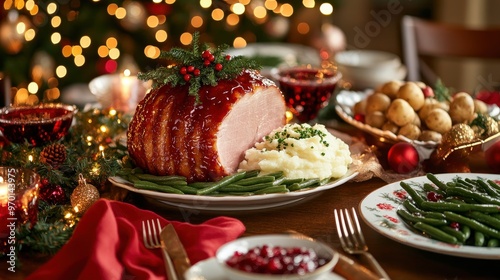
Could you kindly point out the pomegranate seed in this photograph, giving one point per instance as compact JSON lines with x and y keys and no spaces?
{"x":433,"y":196}
{"x":455,"y":225}
{"x":276,"y":260}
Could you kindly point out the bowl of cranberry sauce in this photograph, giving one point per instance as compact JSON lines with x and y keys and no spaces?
{"x":38,"y":125}
{"x":278,"y":256}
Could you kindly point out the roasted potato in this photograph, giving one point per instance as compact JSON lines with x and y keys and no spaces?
{"x":462,"y":108}
{"x":438,"y":120}
{"x":400,"y":112}
{"x":413,"y":94}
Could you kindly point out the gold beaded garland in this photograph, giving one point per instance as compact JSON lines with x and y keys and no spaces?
{"x":84,"y":195}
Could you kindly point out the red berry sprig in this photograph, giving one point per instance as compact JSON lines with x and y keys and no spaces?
{"x":198,"y":67}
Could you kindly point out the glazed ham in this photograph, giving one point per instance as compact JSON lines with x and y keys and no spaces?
{"x":172,"y":135}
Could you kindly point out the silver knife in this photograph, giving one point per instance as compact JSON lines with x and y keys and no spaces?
{"x":175,"y":250}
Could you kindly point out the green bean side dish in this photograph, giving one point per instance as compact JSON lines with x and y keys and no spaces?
{"x":244,"y":183}
{"x":461,"y":211}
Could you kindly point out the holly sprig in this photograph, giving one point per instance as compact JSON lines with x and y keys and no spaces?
{"x":197,"y":67}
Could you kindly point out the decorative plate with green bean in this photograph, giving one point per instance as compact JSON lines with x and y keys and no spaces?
{"x":237,"y":192}
{"x":454,"y":214}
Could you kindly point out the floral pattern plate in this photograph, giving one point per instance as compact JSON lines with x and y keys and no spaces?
{"x":378,"y":210}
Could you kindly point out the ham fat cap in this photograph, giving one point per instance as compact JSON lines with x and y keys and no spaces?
{"x":169,"y":135}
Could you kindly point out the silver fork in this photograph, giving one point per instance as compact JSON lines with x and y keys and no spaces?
{"x":151,"y":237}
{"x":352,"y":240}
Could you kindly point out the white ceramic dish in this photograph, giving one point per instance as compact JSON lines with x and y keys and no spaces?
{"x":232,"y":204}
{"x":378,"y":210}
{"x":369,"y":68}
{"x":244,"y":244}
{"x":210,"y":269}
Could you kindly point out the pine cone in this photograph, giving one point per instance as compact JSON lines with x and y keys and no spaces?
{"x":53,"y":155}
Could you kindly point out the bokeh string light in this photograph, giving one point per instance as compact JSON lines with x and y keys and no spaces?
{"x":77,"y":46}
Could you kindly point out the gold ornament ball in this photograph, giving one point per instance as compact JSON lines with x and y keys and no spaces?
{"x":459,"y":134}
{"x":83,"y":196}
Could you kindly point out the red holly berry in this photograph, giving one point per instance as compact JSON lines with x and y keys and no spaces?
{"x":183,"y":70}
{"x":196,"y":72}
{"x":211,"y":58}
{"x":206,"y":54}
{"x":190,"y":68}
{"x":187,"y":77}
{"x":218,"y":67}
{"x":206,"y":62}
{"x":228,"y":57}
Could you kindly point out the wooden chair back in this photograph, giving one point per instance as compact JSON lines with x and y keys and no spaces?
{"x":423,"y":38}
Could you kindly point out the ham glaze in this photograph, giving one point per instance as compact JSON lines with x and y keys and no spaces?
{"x":170,"y":135}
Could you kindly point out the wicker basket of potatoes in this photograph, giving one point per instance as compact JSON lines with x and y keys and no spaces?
{"x":411,"y":111}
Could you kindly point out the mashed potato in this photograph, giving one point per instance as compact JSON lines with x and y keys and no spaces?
{"x":300,"y":151}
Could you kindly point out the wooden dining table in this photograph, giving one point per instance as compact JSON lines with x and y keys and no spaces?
{"x":315,"y":218}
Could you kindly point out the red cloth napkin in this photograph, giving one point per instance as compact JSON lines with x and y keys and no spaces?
{"x":107,"y":244}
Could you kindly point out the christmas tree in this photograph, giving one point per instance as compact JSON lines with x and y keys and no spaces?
{"x":48,"y":45}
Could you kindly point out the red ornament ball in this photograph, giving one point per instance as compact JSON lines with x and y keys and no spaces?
{"x":403,"y":157}
{"x":52,"y":194}
{"x":492,"y":156}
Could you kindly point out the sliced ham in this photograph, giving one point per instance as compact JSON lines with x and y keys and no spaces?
{"x":171,"y":135}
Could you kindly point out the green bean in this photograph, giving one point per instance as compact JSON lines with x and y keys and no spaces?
{"x":474,"y":195}
{"x":248,"y":188}
{"x":459,"y":207}
{"x":473,"y":224}
{"x":465,"y":229}
{"x":478,"y":238}
{"x":431,"y":188}
{"x":255,"y":180}
{"x":415,"y":219}
{"x":414,"y":209}
{"x":488,"y":189}
{"x":201,"y":185}
{"x":147,"y":185}
{"x":493,"y":184}
{"x":493,"y":242}
{"x":460,"y":236}
{"x":485,"y":219}
{"x":185,"y":189}
{"x":436,"y":233}
{"x":223,"y":182}
{"x":417,"y":198}
{"x":304,"y":184}
{"x":273,"y":189}
{"x":251,"y":173}
{"x":291,"y":181}
{"x":156,"y":178}
{"x":436,"y":181}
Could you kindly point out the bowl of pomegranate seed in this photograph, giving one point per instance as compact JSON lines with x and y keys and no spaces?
{"x":276,"y":256}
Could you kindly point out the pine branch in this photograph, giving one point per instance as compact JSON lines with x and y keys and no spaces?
{"x":197,"y":67}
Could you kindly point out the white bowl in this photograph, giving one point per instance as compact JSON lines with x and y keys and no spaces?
{"x":368,"y":68}
{"x":244,"y":244}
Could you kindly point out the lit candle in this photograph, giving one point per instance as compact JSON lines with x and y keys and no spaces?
{"x":4,"y":212}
